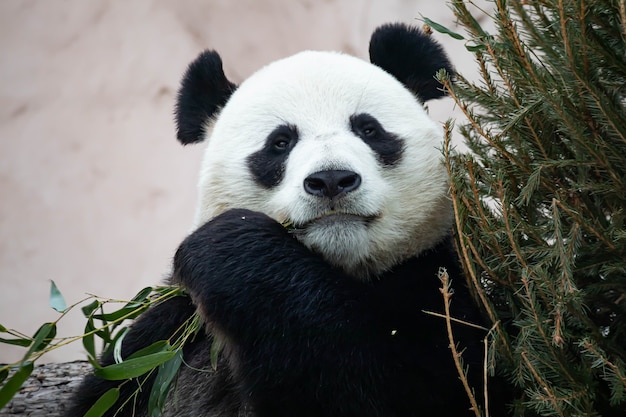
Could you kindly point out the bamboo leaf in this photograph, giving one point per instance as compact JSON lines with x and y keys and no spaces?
{"x":88,"y":339}
{"x":42,"y":338}
{"x":442,"y":29}
{"x":57,"y":302}
{"x":141,"y":296}
{"x":14,"y":383}
{"x":16,"y":342}
{"x":117,"y":346}
{"x":104,"y":403}
{"x":111,"y":343}
{"x":94,"y":362}
{"x":160,"y":346}
{"x":132,"y":368}
{"x":162,"y":384}
{"x":90,"y":308}
{"x":476,"y":48}
{"x":128,"y":312}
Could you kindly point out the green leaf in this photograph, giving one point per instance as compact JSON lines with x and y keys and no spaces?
{"x":89,"y":339}
{"x":130,"y":311}
{"x":42,"y":338}
{"x":90,"y":308}
{"x":135,"y":367}
{"x":476,"y":48}
{"x":3,"y":374}
{"x":104,"y":333}
{"x":113,"y":342}
{"x":104,"y":403}
{"x":140,"y":297}
{"x":16,"y":342}
{"x":14,"y":383}
{"x":94,"y":362}
{"x":442,"y":29}
{"x":162,"y":383}
{"x":117,"y":346}
{"x":57,"y":302}
{"x":160,"y":346}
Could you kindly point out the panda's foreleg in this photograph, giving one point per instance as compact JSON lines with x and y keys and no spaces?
{"x":289,"y":317}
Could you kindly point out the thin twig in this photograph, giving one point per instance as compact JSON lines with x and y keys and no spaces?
{"x":456,"y":355}
{"x":466,"y":323}
{"x":485,"y":390}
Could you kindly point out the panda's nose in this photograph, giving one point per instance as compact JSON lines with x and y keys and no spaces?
{"x":331,"y":183}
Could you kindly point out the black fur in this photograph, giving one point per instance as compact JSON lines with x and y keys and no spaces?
{"x":268,"y":164}
{"x":302,"y":338}
{"x":412,"y":57}
{"x":203,"y":91}
{"x":388,"y":147}
{"x":310,"y":341}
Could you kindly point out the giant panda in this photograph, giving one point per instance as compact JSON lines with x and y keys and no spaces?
{"x":323,"y":222}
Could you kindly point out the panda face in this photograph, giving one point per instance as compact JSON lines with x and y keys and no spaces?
{"x":339,"y":149}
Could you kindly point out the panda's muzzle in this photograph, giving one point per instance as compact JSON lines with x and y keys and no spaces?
{"x":332,"y":184}
{"x":329,"y":187}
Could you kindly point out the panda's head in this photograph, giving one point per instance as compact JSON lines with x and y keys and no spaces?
{"x":340,"y":149}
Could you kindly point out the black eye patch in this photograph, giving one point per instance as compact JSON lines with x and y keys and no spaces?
{"x":387,"y":146}
{"x":268,"y":164}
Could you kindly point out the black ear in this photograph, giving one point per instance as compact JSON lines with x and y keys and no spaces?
{"x":203,"y":91}
{"x":411,"y":56}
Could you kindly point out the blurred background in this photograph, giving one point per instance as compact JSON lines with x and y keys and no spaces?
{"x":95,"y":192}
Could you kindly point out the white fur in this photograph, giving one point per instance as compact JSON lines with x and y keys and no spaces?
{"x":318,"y":92}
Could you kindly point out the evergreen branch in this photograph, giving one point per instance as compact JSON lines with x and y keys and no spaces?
{"x":534,"y":310}
{"x":493,"y":142}
{"x":578,"y":219}
{"x":484,"y":218}
{"x":547,"y":389}
{"x":447,"y":84}
{"x":507,"y":224}
{"x":510,"y":32}
{"x":539,"y":205}
{"x":593,"y":350}
{"x":506,"y":23}
{"x":466,"y":259}
{"x":622,"y":13}
{"x":483,"y":265}
{"x":590,"y":348}
{"x":572,"y":58}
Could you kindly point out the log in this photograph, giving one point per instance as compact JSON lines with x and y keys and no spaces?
{"x":47,"y":391}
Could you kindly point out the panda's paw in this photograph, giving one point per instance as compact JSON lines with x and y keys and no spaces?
{"x":243,"y":219}
{"x":241,"y":227}
{"x":233,"y":264}
{"x":236,"y":243}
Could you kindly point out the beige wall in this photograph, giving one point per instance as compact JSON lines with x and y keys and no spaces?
{"x":95,"y":193}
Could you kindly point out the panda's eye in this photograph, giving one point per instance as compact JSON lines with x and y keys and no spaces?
{"x":281,"y":143}
{"x":369,"y":130}
{"x":282,"y":139}
{"x":366,"y":127}
{"x":388,"y":146}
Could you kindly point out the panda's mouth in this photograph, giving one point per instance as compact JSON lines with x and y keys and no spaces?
{"x":332,"y":218}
